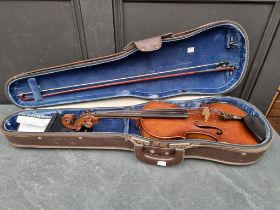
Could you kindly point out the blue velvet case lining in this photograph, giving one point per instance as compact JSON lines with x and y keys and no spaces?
{"x":218,"y":43}
{"x":127,"y":126}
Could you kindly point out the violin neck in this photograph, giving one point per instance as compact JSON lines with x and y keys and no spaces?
{"x":142,"y":114}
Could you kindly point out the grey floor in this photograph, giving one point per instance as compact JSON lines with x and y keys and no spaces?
{"x":90,"y":179}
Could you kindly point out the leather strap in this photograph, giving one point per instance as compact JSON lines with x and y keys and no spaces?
{"x":150,"y":44}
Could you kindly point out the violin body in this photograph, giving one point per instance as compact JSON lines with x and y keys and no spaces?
{"x":195,"y":127}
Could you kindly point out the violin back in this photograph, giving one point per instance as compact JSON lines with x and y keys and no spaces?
{"x":209,"y":60}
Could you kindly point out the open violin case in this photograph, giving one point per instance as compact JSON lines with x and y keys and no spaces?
{"x":187,"y":69}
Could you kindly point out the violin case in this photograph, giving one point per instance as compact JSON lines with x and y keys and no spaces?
{"x":216,"y":42}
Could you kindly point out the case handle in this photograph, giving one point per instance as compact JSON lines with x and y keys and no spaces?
{"x":150,"y":44}
{"x":161,"y":160}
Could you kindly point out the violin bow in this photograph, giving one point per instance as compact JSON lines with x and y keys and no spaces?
{"x":223,"y":66}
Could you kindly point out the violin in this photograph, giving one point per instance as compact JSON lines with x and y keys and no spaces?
{"x":220,"y":122}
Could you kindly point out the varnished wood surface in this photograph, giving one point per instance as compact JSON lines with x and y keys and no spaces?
{"x":273,"y":113}
{"x":275,"y":122}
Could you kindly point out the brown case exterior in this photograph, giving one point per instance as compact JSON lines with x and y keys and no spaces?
{"x":149,"y":151}
{"x":164,"y":153}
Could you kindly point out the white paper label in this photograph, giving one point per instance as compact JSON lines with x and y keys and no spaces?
{"x":32,"y":124}
{"x":190,"y":50}
{"x":161,"y":163}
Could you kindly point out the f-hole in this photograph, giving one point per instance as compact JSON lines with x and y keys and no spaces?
{"x":219,"y":131}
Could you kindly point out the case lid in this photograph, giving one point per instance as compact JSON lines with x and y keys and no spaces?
{"x":208,"y":60}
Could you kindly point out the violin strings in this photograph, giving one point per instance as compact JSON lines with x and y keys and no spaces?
{"x":170,"y":112}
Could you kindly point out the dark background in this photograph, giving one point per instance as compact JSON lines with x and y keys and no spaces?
{"x":37,"y":33}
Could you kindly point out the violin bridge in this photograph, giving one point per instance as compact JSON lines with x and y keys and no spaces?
{"x":206,"y":113}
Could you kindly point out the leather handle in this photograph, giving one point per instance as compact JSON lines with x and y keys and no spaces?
{"x":150,"y":44}
{"x":162,"y":160}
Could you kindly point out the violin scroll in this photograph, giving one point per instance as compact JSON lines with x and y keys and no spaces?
{"x":85,"y":120}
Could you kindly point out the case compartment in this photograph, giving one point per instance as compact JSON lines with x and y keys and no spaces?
{"x":204,"y":47}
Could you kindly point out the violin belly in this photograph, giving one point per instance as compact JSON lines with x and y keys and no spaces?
{"x":195,"y":126}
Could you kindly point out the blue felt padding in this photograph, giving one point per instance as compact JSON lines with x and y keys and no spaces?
{"x":125,"y":126}
{"x":35,"y":89}
{"x":211,"y":45}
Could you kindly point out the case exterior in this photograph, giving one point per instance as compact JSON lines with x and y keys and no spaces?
{"x":147,"y":150}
